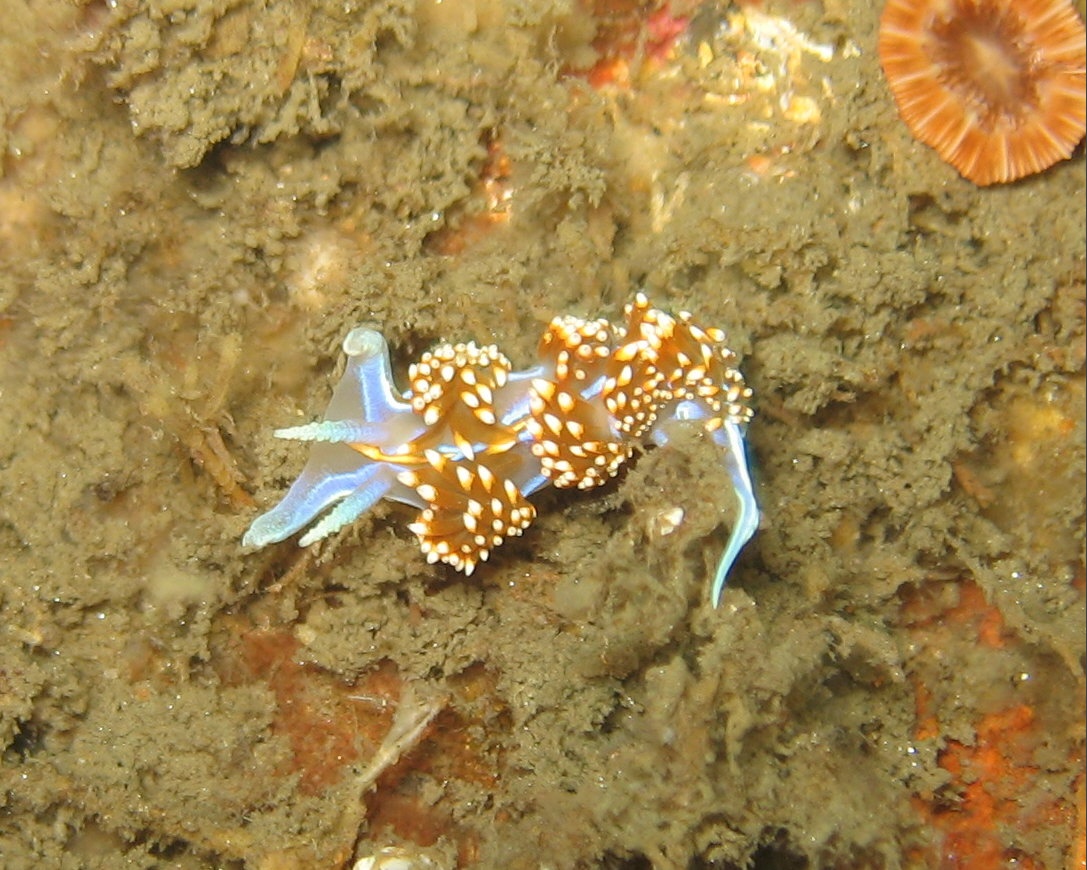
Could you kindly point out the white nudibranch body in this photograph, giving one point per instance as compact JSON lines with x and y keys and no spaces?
{"x":471,"y":439}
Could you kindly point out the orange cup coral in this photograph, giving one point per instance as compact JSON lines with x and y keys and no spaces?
{"x":997,"y":87}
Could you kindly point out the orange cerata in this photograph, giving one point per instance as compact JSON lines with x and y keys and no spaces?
{"x":995,"y":86}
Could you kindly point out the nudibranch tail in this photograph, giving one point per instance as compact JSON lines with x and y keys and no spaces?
{"x":471,"y":439}
{"x":731,"y":437}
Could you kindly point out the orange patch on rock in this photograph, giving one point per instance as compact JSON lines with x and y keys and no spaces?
{"x":628,"y":34}
{"x":923,"y":607}
{"x":992,"y":796}
{"x":990,"y":775}
{"x":328,"y":722}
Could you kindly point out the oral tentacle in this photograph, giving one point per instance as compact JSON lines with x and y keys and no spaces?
{"x":317,"y":488}
{"x":350,"y":509}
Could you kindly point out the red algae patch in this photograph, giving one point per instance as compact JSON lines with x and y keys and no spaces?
{"x":995,"y":86}
{"x":329,"y":723}
{"x":980,"y":815}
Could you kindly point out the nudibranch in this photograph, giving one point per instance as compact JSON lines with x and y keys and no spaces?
{"x":471,"y":439}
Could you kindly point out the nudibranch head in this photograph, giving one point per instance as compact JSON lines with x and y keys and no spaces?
{"x":471,"y":439}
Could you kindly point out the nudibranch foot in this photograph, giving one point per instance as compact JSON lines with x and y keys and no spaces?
{"x":471,"y":439}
